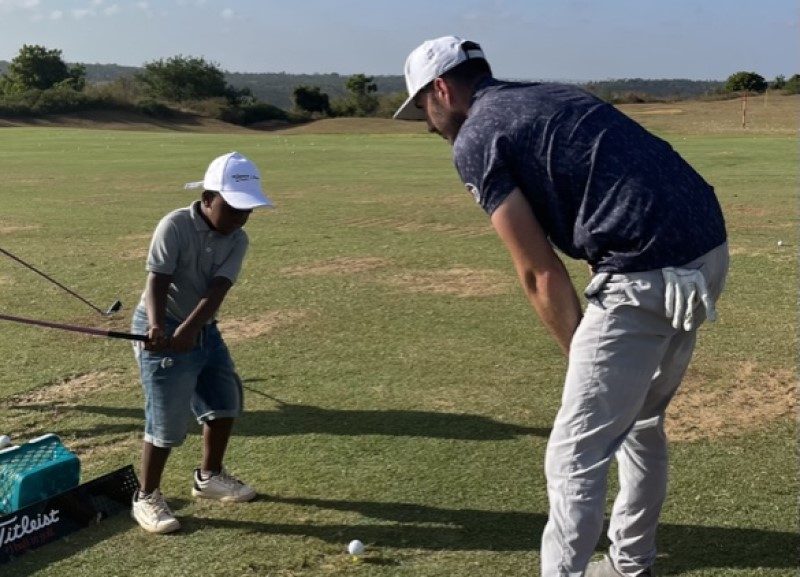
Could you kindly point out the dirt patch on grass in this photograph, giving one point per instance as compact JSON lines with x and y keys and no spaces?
{"x":745,"y":210}
{"x":69,"y":390}
{"x":234,"y":330}
{"x":773,"y":253}
{"x":138,"y":253}
{"x":122,"y":120}
{"x":336,"y":266}
{"x":753,"y":399}
{"x":90,"y":447}
{"x":139,"y":238}
{"x":355,"y":126}
{"x":134,"y":246}
{"x":412,"y":227}
{"x":662,"y":111}
{"x":770,"y":113}
{"x":460,"y":282}
{"x":14,"y":228}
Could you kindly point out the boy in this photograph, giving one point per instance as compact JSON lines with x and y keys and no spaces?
{"x":194,"y":259}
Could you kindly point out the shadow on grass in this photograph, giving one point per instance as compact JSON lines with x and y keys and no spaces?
{"x":404,"y":525}
{"x":388,"y":525}
{"x":293,"y":419}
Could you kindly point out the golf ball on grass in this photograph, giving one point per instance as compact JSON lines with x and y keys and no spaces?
{"x":355,"y":547}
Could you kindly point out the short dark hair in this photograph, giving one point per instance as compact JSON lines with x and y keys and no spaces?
{"x":469,"y":72}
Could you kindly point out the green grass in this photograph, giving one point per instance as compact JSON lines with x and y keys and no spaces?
{"x":415,"y":421}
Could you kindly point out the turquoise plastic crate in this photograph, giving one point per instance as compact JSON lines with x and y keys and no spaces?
{"x":32,"y":472}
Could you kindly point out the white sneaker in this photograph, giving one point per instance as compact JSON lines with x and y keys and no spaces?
{"x":153,"y":514}
{"x":222,"y":487}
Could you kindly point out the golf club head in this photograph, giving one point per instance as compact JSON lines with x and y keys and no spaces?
{"x":113,"y":308}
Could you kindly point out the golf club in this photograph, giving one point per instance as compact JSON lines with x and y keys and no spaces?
{"x":75,"y":328}
{"x":115,"y":306}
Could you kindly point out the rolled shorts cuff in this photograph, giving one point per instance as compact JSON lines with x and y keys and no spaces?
{"x":161,"y":443}
{"x":214,"y":415}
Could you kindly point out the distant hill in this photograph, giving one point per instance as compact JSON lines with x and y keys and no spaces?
{"x":277,"y":87}
{"x":273,"y":87}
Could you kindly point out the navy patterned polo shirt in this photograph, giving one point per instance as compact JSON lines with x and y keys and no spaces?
{"x":603,"y":188}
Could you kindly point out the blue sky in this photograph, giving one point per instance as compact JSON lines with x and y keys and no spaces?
{"x":526,"y":39}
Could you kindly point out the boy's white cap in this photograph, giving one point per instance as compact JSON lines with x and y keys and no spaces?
{"x":236,"y":179}
{"x":427,"y":62}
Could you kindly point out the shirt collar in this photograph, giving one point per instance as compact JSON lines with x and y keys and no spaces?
{"x":482,"y":86}
{"x":195,"y":213}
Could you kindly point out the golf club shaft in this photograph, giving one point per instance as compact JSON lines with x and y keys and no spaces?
{"x":52,"y":280}
{"x":75,"y":329}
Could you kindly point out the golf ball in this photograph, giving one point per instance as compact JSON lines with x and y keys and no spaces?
{"x":355,"y":547}
{"x":5,"y":441}
{"x":780,"y":243}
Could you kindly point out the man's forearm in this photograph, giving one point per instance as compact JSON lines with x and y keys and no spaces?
{"x":554,"y":299}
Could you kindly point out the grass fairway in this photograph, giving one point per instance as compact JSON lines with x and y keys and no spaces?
{"x":399,"y":388}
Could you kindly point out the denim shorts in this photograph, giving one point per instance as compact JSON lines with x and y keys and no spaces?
{"x":202,"y":381}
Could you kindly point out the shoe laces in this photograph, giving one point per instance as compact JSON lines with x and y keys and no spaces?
{"x":158,"y":504}
{"x":228,"y":479}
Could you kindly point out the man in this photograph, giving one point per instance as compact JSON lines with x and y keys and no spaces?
{"x":557,"y":168}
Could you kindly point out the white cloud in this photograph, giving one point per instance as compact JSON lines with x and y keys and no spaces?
{"x":11,"y":5}
{"x":81,"y":13}
{"x":56,"y":15}
{"x":227,"y":14}
{"x":145,"y":7}
{"x":111,"y":10}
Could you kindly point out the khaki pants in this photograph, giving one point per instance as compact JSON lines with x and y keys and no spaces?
{"x":625,"y":364}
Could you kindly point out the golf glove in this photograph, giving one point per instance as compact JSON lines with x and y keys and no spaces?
{"x":683,"y":288}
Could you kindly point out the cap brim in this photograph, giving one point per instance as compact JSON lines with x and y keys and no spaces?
{"x":246,"y":200}
{"x":409,"y":111}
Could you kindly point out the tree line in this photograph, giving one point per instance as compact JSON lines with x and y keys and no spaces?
{"x":38,"y":81}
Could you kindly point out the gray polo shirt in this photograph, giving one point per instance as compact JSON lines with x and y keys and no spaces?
{"x":185,"y":247}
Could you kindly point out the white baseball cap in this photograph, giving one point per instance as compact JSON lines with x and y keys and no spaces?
{"x":236,"y":179}
{"x":427,"y":62}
